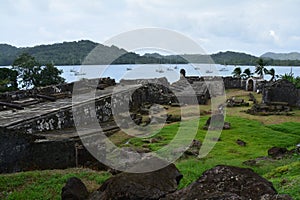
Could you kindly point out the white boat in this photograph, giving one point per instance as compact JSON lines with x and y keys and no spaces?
{"x":209,"y":71}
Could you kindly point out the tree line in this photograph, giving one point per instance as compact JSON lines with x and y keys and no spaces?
{"x":74,"y":53}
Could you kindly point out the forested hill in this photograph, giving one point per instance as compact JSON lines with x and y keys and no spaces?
{"x":234,"y":58}
{"x":8,"y":54}
{"x":66,"y":53}
{"x":282,"y":56}
{"x":74,"y":53}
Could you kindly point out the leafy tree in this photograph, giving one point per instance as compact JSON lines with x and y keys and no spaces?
{"x":237,"y":72}
{"x":28,"y":69}
{"x":260,"y":68}
{"x":50,"y":75}
{"x":8,"y":80}
{"x":247,"y":73}
{"x":33,"y":74}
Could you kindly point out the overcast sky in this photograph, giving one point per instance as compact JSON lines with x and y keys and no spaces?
{"x":252,"y":26}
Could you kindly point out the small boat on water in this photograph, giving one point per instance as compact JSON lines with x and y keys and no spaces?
{"x":223,"y":69}
{"x":128,"y":68}
{"x":169,"y":69}
{"x":175,"y":67}
{"x":73,"y":70}
{"x":79,"y":73}
{"x":160,"y":70}
{"x":197,"y":68}
{"x":208,"y":71}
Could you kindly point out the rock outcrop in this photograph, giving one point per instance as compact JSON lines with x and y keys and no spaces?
{"x":74,"y":190}
{"x":227,"y":182}
{"x":277,"y":152}
{"x":151,"y":185}
{"x":220,"y":182}
{"x":216,"y":122}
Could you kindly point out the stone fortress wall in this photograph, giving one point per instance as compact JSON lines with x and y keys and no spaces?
{"x":40,"y":133}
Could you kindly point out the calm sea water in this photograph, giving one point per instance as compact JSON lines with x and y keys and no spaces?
{"x":170,"y":71}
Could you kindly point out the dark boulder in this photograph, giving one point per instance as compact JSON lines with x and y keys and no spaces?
{"x":227,"y":182}
{"x":277,"y":152}
{"x":216,"y":122}
{"x":74,"y":190}
{"x":226,"y":126}
{"x":151,"y":185}
{"x":194,"y":148}
{"x":241,"y":142}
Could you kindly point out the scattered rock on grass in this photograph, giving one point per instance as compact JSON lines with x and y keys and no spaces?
{"x":151,"y":185}
{"x":277,"y":152}
{"x":194,"y":148}
{"x":227,"y":182}
{"x":241,"y":142}
{"x":74,"y":189}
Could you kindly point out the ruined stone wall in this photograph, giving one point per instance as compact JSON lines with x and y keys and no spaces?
{"x":159,"y":81}
{"x":49,"y":90}
{"x":281,"y":91}
{"x":63,"y":118}
{"x":298,"y":99}
{"x":94,"y":111}
{"x":22,"y":152}
{"x":13,"y":148}
{"x":53,"y":90}
{"x":232,"y":83}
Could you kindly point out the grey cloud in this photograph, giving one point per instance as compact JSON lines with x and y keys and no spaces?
{"x":217,"y":25}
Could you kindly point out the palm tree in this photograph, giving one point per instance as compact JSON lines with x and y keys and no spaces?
{"x":272,"y":73}
{"x":290,"y":77}
{"x":260,"y":68}
{"x":237,"y":72}
{"x":247,"y":73}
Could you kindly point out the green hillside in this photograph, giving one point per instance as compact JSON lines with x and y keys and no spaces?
{"x":74,"y":53}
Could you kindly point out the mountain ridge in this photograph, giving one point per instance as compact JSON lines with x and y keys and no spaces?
{"x":74,"y":53}
{"x":282,"y":56}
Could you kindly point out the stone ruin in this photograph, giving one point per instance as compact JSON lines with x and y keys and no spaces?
{"x":234,"y":102}
{"x":37,"y":127}
{"x":278,"y":98}
{"x":281,"y":91}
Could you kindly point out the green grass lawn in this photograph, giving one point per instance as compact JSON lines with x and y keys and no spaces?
{"x":46,"y":184}
{"x":285,"y":173}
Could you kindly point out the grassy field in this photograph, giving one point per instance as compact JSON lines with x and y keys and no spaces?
{"x":259,"y":132}
{"x":46,"y":184}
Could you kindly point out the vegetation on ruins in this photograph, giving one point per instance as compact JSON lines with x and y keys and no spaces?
{"x":247,"y":73}
{"x":272,"y":73}
{"x":290,"y":77}
{"x":237,"y":72}
{"x":260,"y":68}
